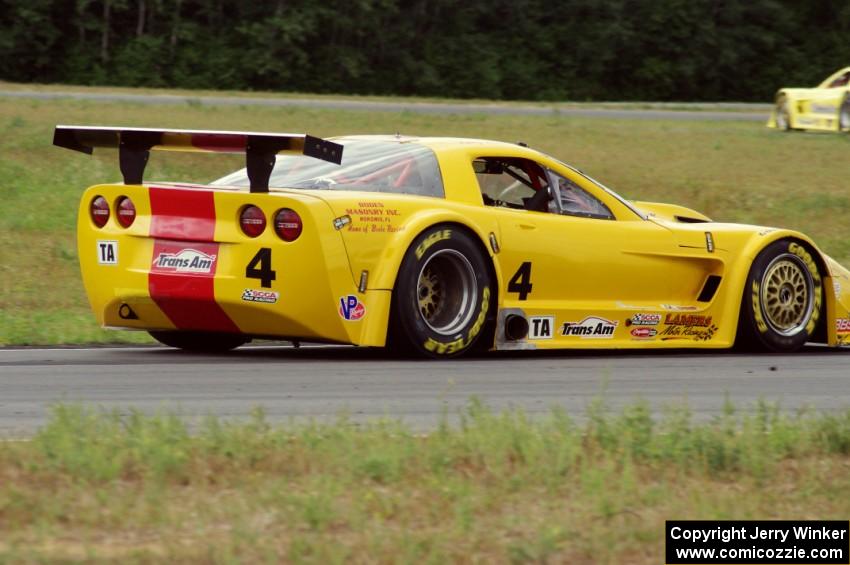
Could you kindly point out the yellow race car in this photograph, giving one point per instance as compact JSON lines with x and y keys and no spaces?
{"x":825,"y":107}
{"x":435,"y":246}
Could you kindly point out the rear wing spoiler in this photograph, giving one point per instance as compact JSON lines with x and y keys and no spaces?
{"x":134,"y":146}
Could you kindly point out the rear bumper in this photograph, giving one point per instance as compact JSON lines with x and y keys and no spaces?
{"x":184,"y":264}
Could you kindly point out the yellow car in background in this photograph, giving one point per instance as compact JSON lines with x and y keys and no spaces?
{"x":434,"y":246}
{"x":825,"y":107}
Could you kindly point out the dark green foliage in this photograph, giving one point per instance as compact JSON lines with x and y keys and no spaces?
{"x":510,"y":49}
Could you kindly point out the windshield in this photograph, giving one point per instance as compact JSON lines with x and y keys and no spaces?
{"x":369,"y":165}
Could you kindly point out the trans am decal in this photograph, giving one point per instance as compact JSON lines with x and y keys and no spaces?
{"x":591,"y":327}
{"x":187,"y":260}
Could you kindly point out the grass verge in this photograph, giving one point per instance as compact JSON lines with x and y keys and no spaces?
{"x":499,"y":487}
{"x":733,"y":171}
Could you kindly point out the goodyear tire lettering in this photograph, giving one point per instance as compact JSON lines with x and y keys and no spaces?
{"x":759,"y":317}
{"x":461,"y":343}
{"x":431,"y":240}
{"x":807,"y":258}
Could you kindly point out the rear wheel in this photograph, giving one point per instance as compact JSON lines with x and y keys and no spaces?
{"x":206,"y":342}
{"x":443,"y":295}
{"x":783,"y":298}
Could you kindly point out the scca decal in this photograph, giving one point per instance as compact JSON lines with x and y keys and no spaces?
{"x":644,"y":320}
{"x":351,"y":309}
{"x":265,"y":296}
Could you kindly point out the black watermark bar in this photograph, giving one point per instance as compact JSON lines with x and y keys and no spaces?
{"x":695,"y":542}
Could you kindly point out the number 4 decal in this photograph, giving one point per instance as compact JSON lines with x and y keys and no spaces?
{"x":521,"y":281}
{"x":263,"y":259}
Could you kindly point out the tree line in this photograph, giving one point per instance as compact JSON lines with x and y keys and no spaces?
{"x":667,"y":50}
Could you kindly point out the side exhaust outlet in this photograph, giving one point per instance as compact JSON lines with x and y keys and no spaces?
{"x":516,"y":327}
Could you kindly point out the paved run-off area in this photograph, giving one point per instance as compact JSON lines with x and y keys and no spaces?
{"x":324,"y":382}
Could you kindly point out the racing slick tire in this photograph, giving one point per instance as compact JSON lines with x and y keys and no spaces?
{"x":844,"y":115}
{"x":201,"y":342}
{"x":783,"y":115}
{"x":443,"y":297}
{"x":783,"y":298}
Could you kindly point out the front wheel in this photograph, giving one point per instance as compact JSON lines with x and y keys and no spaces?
{"x":783,"y":115}
{"x":443,"y":295}
{"x":783,"y":298}
{"x":844,"y":115}
{"x":201,"y":342}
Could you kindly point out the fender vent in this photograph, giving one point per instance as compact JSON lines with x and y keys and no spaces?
{"x":709,"y":288}
{"x":689,"y":220}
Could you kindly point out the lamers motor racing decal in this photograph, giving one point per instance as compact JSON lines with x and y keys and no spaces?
{"x":689,"y":320}
{"x":185,"y":261}
{"x":592,"y":327}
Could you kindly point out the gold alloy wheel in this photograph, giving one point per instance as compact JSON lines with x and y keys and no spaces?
{"x":446,"y":291}
{"x":786,"y":294}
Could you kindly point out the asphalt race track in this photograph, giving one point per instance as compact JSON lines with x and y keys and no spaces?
{"x":682,"y":111}
{"x":323,"y":382}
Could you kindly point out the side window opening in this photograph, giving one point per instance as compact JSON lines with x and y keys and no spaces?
{"x":512,"y":182}
{"x":840,"y":81}
{"x":576,"y":201}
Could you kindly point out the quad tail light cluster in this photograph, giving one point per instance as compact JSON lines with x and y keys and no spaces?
{"x":100,"y":212}
{"x":286,"y":222}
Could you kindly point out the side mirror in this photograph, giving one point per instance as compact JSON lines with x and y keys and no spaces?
{"x":487,"y":167}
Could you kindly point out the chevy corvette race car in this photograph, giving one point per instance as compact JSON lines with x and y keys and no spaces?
{"x":433,"y":246}
{"x":824,"y":107}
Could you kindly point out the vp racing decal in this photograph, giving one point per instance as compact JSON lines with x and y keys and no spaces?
{"x":350,"y":308}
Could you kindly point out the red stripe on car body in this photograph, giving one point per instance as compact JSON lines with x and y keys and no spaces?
{"x":182,"y":272}
{"x":182,"y":214}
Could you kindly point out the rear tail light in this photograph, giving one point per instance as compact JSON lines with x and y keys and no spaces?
{"x":125,"y":211}
{"x":99,"y":210}
{"x":287,"y":224}
{"x":252,"y":220}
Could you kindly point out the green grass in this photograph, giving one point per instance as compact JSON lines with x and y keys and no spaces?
{"x":733,"y":171}
{"x":498,"y":487}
